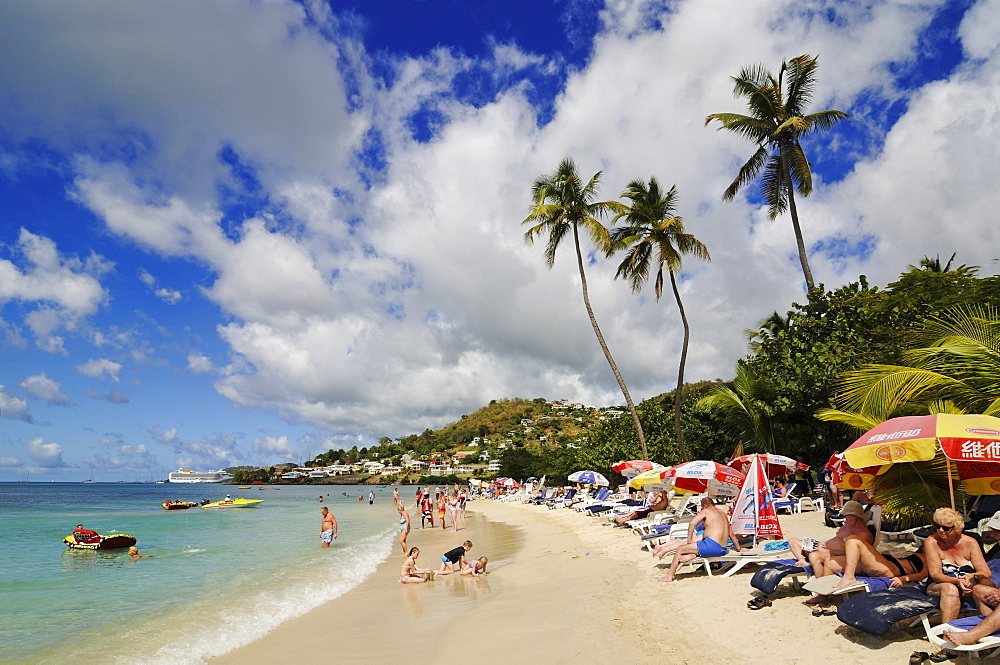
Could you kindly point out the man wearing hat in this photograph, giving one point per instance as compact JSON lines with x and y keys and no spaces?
{"x":829,"y":557}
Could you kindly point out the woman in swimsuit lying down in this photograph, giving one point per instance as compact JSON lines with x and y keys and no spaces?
{"x":862,"y":558}
{"x":955,"y":564}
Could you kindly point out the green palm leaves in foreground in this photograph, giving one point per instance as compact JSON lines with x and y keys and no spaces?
{"x":743,"y":408}
{"x":775,"y":122}
{"x":561,"y":203}
{"x":954,"y":367}
{"x":653,"y":236}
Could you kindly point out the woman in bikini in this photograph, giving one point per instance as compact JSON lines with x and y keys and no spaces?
{"x":404,"y":526}
{"x":410,"y":574}
{"x":860,"y":557}
{"x":955,"y":564}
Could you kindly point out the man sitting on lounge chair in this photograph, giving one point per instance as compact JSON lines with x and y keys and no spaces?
{"x":712,"y":543}
{"x":829,"y":558}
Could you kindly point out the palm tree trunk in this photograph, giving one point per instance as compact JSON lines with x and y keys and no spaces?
{"x":799,"y":241}
{"x":678,"y":394}
{"x":604,"y":346}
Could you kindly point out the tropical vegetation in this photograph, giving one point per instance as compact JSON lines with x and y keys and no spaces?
{"x":775,"y":123}
{"x":654,"y":237}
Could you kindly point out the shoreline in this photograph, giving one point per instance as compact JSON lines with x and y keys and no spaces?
{"x":563,"y":588}
{"x":541,"y":581}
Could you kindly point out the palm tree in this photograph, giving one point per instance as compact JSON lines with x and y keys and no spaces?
{"x":743,"y":408}
{"x":955,"y":366}
{"x":654,"y":235}
{"x":776,"y":121}
{"x":560,"y":203}
{"x":769,"y":328}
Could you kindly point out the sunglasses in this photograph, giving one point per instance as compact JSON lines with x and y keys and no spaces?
{"x":942,"y":527}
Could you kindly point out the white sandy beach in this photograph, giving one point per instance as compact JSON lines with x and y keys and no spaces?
{"x":563,"y":588}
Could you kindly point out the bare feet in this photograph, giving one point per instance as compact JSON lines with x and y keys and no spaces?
{"x":667,"y":578}
{"x":958,"y":638}
{"x":815,"y":600}
{"x":846,"y":581}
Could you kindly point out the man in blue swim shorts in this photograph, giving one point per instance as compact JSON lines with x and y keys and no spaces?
{"x":716,"y":526}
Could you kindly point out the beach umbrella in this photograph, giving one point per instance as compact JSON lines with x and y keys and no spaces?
{"x":971,"y":441}
{"x":704,"y":476}
{"x":588,"y":478}
{"x":774,"y":465}
{"x":649,"y":480}
{"x":846,"y":477}
{"x":754,"y":512}
{"x":633,"y":468}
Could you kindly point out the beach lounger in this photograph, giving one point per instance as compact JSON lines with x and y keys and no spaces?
{"x":878,"y":611}
{"x":733,"y":562}
{"x":990,"y":642}
{"x":767,"y":578}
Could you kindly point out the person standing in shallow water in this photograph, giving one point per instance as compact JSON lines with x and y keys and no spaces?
{"x":328,"y":527}
{"x":371,"y":497}
{"x":404,"y":526}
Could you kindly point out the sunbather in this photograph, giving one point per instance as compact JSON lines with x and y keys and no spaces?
{"x":660,"y":502}
{"x":712,"y":543}
{"x":955,"y":564}
{"x":862,"y":558}
{"x":829,"y":557}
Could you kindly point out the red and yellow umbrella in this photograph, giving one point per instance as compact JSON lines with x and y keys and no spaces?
{"x":633,"y":468}
{"x":846,"y":477}
{"x":972,"y":441}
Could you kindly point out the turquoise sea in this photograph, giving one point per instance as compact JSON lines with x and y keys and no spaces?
{"x":207,"y":571}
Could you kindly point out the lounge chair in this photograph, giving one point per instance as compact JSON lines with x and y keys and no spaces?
{"x":788,"y":500}
{"x":733,"y":562}
{"x":990,"y":642}
{"x":568,"y":498}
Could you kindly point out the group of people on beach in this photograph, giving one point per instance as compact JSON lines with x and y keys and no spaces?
{"x":452,"y":504}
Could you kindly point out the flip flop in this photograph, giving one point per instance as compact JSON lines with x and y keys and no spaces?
{"x":942,"y":656}
{"x":820,"y":612}
{"x":918,"y":657}
{"x":759,"y":602}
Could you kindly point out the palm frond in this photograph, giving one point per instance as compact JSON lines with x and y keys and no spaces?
{"x":747,"y":173}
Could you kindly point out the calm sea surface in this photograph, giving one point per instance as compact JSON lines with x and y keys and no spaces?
{"x":215,"y":579}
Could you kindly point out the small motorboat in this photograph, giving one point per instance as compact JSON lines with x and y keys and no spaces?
{"x":244,"y":487}
{"x":83,"y":539}
{"x":179,"y":505}
{"x":233,"y":503}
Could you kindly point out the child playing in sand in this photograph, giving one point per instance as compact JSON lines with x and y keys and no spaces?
{"x":476,"y":567}
{"x":453,"y":557}
{"x":410,"y":574}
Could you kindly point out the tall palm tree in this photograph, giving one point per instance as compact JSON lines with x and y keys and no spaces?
{"x":768,"y":328}
{"x":776,"y":121}
{"x":654,"y":236}
{"x":563,"y":202}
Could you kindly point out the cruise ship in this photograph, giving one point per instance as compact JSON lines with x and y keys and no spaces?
{"x":189,"y":476}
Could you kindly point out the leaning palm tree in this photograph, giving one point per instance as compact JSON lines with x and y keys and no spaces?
{"x":563,"y":202}
{"x":776,"y":121}
{"x":654,"y":236}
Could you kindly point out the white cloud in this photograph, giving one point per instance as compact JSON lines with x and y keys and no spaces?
{"x":8,"y":462}
{"x":274,"y":447}
{"x":13,"y":407}
{"x":45,"y":455}
{"x":100,"y":367}
{"x":42,"y":387}
{"x":199,"y":364}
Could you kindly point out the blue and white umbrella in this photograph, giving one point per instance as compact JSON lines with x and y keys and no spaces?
{"x":588,"y":478}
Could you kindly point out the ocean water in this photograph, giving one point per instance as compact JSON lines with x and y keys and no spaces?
{"x":214,"y":579}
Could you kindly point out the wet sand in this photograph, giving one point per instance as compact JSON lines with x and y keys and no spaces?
{"x":565,"y":588}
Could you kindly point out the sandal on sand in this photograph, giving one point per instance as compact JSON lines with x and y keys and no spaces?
{"x":824,"y":612}
{"x":918,"y":657}
{"x":942,"y":656}
{"x":759,"y":602}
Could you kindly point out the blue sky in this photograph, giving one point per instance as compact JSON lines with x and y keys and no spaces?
{"x":248,"y":232}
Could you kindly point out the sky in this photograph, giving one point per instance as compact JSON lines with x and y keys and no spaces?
{"x":246,"y":232}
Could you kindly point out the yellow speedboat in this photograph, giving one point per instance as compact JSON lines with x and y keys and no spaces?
{"x":233,"y":503}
